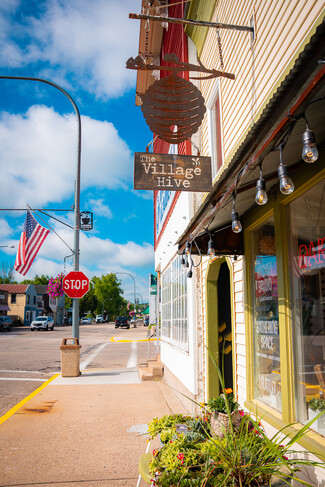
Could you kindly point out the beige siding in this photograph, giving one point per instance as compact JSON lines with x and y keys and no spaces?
{"x":282,"y":28}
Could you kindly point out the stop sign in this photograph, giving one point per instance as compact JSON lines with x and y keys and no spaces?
{"x":75,"y":284}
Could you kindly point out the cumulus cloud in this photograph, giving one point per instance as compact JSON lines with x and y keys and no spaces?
{"x":91,"y":41}
{"x":5,"y":230}
{"x":97,"y":256}
{"x":39,"y":159}
{"x":99,"y":208}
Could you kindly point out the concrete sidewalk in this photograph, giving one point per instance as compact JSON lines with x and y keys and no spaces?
{"x":86,"y":431}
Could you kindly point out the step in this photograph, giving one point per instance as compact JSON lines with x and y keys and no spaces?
{"x":150,"y":373}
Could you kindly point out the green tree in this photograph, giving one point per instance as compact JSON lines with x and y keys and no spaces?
{"x":109,"y":293}
{"x":37,"y":281}
{"x":7,"y":273}
{"x":89,"y":302}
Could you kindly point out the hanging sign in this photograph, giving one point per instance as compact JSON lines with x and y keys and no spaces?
{"x":172,"y":172}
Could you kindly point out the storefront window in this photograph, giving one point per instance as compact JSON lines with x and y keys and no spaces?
{"x":307,"y":223}
{"x":174,"y":304}
{"x":267,"y":376}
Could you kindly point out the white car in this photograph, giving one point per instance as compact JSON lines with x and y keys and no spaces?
{"x":42,"y":323}
{"x":86,"y":321}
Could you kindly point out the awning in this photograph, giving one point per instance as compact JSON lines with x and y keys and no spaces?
{"x":4,"y":307}
{"x":303,"y":87}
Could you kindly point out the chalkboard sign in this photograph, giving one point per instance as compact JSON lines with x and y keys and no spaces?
{"x":172,"y":172}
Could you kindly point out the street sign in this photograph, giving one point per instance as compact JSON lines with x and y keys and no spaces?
{"x":75,"y":284}
{"x":172,"y":172}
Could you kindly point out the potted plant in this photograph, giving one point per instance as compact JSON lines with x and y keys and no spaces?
{"x":315,"y":407}
{"x":217,"y":407}
{"x":243,"y":457}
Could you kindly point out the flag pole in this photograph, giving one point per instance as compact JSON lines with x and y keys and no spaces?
{"x":76,"y":251}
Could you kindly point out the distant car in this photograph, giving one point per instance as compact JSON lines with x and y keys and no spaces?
{"x":99,"y":319}
{"x":86,"y":321}
{"x":146,"y":321}
{"x":122,"y":322}
{"x":42,"y":323}
{"x":5,"y":323}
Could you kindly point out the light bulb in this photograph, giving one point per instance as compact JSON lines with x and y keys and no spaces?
{"x":309,"y":149}
{"x":190,"y":273}
{"x":187,"y":249}
{"x":286,"y":184}
{"x":235,"y":222}
{"x":261,"y":195}
{"x":211,"y":251}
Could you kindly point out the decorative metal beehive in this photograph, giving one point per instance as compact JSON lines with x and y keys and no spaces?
{"x":173,"y":108}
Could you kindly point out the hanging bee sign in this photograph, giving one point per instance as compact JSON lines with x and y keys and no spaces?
{"x":172,"y":172}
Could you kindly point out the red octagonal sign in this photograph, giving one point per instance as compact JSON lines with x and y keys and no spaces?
{"x":75,"y":284}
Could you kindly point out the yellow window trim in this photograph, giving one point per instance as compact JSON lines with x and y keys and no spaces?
{"x":312,"y":442}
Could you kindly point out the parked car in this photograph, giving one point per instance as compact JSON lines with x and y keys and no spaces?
{"x":86,"y":321}
{"x":99,"y":319}
{"x":42,"y":323}
{"x":122,"y":321}
{"x":5,"y":323}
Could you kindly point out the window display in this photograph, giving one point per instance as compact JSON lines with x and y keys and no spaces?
{"x":307,"y":221}
{"x":267,"y":376}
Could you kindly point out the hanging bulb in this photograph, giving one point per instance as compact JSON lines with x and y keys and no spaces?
{"x":190,"y":273}
{"x":211,"y":251}
{"x":309,"y":149}
{"x":286,"y":184}
{"x":261,"y":194}
{"x":187,"y":249}
{"x":236,"y":226}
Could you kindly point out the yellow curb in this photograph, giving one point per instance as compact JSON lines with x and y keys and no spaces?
{"x":28,"y":398}
{"x":117,"y":340}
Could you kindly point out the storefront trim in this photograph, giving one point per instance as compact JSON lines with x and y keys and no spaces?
{"x":212,"y":324}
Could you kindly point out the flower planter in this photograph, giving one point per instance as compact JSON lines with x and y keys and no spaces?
{"x":319,"y":424}
{"x":220,"y":422}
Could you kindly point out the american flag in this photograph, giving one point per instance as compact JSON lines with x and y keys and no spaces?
{"x":31,"y":240}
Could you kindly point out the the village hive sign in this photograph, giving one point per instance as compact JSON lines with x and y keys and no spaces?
{"x":172,"y":172}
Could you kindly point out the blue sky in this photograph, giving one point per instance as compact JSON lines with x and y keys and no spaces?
{"x":83,"y":47}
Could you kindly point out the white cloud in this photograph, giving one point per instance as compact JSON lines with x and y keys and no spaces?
{"x":99,"y":208}
{"x":97,"y":257}
{"x":5,"y":230}
{"x":38,"y":157}
{"x":91,"y":42}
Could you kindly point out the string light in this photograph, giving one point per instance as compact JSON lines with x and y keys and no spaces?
{"x":236,"y":225}
{"x":309,"y":149}
{"x":261,"y":194}
{"x":211,"y":251}
{"x":286,"y":184}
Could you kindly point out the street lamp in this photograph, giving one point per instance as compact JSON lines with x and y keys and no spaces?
{"x":75,"y":301}
{"x":107,"y":299}
{"x":138,"y":294}
{"x":133,"y":283}
{"x":64,"y":260}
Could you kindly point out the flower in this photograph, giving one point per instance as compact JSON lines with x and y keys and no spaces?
{"x":228,"y":390}
{"x":180,"y":456}
{"x":155,"y":452}
{"x":54,"y":288}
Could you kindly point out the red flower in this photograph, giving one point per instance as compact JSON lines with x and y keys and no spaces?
{"x":180,"y":456}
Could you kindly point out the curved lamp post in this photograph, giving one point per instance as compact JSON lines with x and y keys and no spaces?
{"x":133,"y":284}
{"x":75,"y":302}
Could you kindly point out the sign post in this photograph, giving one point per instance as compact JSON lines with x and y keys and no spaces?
{"x":75,"y":284}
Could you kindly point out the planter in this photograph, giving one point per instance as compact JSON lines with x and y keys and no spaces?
{"x":220,"y":422}
{"x":319,"y":424}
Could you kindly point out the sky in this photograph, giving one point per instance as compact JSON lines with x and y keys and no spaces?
{"x":83,"y":47}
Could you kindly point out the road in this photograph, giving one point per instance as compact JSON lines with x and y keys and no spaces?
{"x":28,"y":359}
